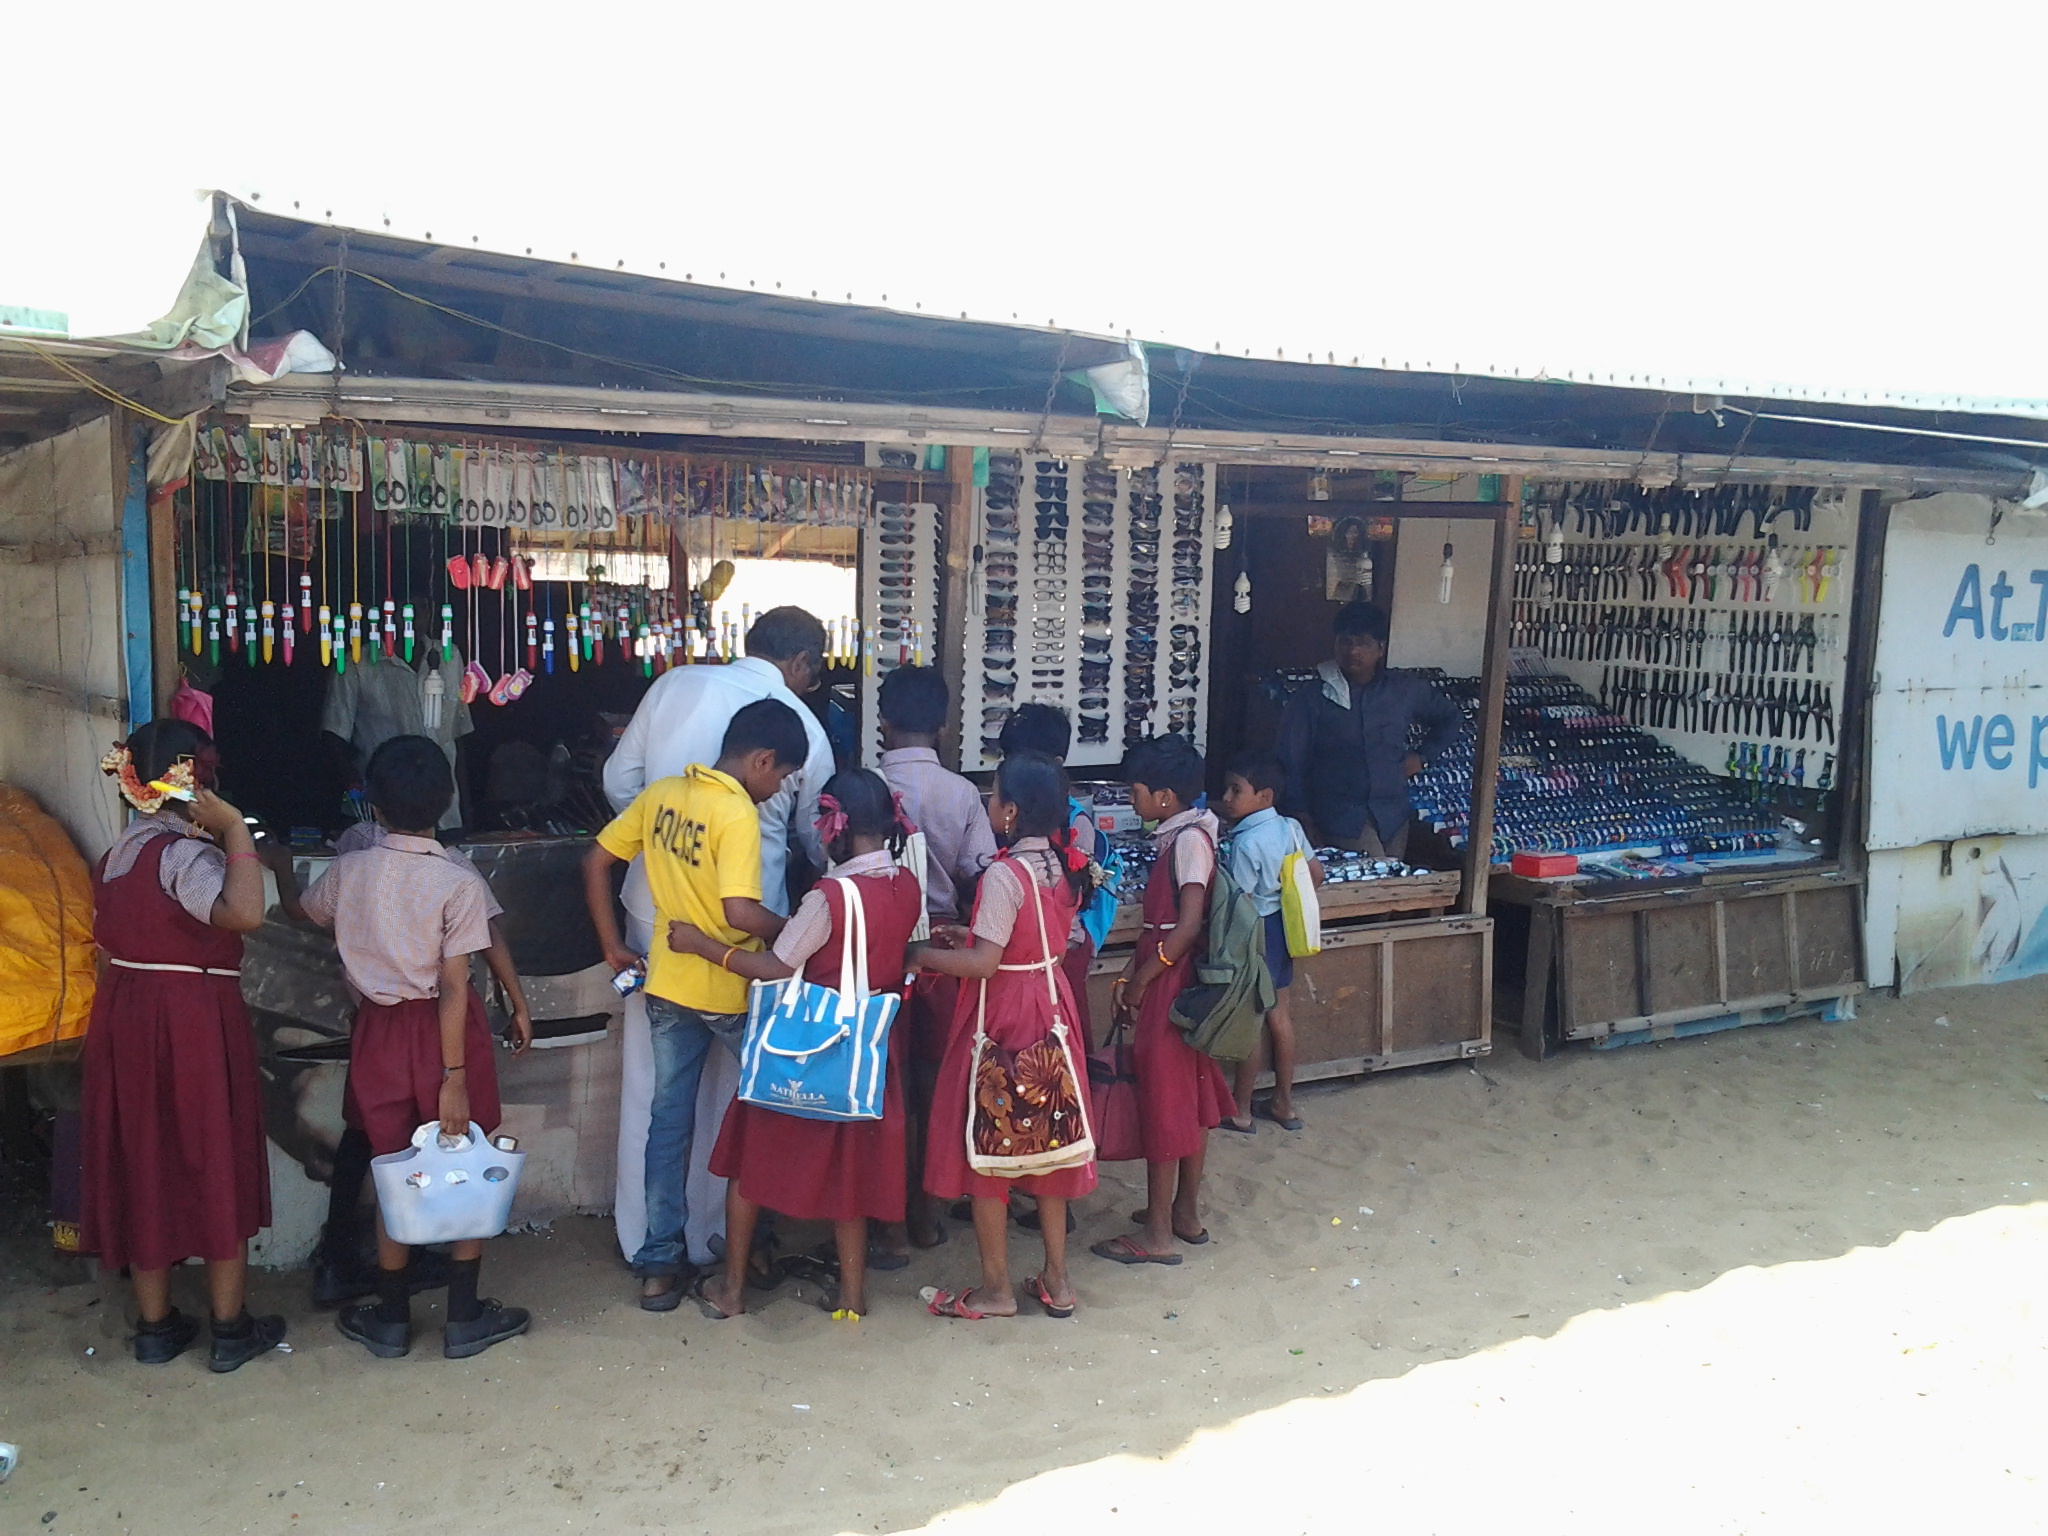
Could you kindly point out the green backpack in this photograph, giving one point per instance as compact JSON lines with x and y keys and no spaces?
{"x":1225,"y":1002}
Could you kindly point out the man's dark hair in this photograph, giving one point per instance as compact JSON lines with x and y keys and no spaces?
{"x":1261,"y":770}
{"x":768,"y":723}
{"x":1167,"y":762}
{"x":410,"y":782}
{"x":1362,"y":618}
{"x":783,"y":634}
{"x":1037,"y":728}
{"x":914,"y":699}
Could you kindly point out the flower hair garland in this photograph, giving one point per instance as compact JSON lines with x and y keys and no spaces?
{"x":119,"y":764}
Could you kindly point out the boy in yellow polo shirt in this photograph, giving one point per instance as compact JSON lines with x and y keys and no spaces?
{"x":700,"y":836}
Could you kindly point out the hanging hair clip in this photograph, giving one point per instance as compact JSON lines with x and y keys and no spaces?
{"x":1069,"y":849}
{"x":831,"y":822}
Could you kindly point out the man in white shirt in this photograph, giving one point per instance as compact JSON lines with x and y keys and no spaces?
{"x":681,"y":721}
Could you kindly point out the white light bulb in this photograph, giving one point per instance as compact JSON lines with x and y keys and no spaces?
{"x":1241,"y":598}
{"x":1444,"y":574}
{"x":1225,"y":523}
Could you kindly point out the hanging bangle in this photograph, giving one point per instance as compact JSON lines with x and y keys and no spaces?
{"x":730,"y":952}
{"x":1161,"y":947}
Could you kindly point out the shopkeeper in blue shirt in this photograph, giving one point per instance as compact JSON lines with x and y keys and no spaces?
{"x":1344,"y":741}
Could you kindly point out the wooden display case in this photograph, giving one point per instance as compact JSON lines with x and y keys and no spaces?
{"x":1611,"y":960}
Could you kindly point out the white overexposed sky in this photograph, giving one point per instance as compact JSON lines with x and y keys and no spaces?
{"x":1842,"y":197}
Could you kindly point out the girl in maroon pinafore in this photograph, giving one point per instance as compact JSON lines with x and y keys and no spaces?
{"x":844,"y":1172}
{"x":1182,"y":1094}
{"x":1019,"y":937}
{"x":175,"y":1165}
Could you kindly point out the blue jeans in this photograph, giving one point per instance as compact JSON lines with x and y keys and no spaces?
{"x":681,"y":1036}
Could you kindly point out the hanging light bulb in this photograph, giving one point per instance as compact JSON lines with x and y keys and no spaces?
{"x":1444,"y":573}
{"x":1318,"y":486}
{"x":1553,"y":546}
{"x":1225,"y":525}
{"x":1241,"y":594}
{"x":1365,"y":570}
{"x":432,"y":691}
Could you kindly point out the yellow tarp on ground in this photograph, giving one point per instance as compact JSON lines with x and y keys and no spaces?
{"x":46,"y":949}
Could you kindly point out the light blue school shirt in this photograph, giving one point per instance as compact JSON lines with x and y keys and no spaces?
{"x":1259,"y":845}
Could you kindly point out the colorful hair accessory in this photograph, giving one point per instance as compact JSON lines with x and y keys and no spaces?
{"x":178,"y":781}
{"x":831,"y":822}
{"x":1070,"y":850}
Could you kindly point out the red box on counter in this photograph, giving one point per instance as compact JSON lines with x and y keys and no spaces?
{"x":1543,"y":866}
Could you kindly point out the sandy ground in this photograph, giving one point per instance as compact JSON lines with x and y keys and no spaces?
{"x":1777,"y":1279}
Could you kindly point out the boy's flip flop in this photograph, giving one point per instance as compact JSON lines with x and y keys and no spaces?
{"x":1122,"y":1250}
{"x":1265,"y":1112}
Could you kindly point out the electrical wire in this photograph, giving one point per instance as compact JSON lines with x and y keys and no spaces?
{"x":104,"y":391}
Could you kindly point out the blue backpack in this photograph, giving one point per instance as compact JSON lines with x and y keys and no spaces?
{"x":1108,"y":872}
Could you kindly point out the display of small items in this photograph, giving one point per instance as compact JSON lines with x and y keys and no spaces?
{"x":901,"y":564}
{"x":1703,"y":614}
{"x":1576,"y":778}
{"x":997,"y":556}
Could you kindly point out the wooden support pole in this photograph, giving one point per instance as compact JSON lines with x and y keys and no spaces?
{"x":957,"y":540}
{"x":1493,"y":693}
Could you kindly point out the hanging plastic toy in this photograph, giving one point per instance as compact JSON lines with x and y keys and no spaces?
{"x":447,"y":631}
{"x":234,"y":621}
{"x":571,"y":639}
{"x":623,"y":633}
{"x":198,"y":621}
{"x":476,"y":683}
{"x":269,"y":630}
{"x":286,"y":632}
{"x":583,"y":614}
{"x":390,"y":629}
{"x":646,"y":650}
{"x":532,"y":640}
{"x":306,"y":601}
{"x":249,"y":634}
{"x":213,"y":634}
{"x":410,"y":634}
{"x":547,"y":646}
{"x":326,"y":636}
{"x":355,"y":633}
{"x":340,"y":644}
{"x":184,"y":617}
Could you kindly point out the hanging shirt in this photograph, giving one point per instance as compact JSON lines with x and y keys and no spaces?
{"x":699,"y":841}
{"x":682,"y":721}
{"x":377,"y":699}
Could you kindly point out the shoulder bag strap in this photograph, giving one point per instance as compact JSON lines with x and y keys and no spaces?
{"x":853,"y":940}
{"x":1037,"y":896}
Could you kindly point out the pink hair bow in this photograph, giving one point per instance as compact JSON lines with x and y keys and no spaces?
{"x":903,"y":822}
{"x":831,"y":822}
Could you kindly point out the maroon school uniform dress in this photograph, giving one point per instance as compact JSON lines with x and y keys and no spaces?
{"x":834,"y":1170}
{"x":1181,"y":1092}
{"x":1020,"y":1014}
{"x":174,"y":1160}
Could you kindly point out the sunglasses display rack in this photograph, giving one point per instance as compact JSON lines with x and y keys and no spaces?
{"x":1576,"y":778}
{"x":1081,"y":571}
{"x":1715,"y":618}
{"x":902,"y":567}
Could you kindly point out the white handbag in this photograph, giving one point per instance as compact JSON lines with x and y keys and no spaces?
{"x":434,"y":1194}
{"x":1046,"y":1132}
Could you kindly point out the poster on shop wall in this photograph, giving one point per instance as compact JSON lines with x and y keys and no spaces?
{"x":1959,"y":699}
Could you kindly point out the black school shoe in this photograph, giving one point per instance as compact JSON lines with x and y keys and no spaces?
{"x":387,"y":1341}
{"x":243,"y":1341}
{"x":494,"y":1325}
{"x":162,"y":1342}
{"x":339,"y":1281}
